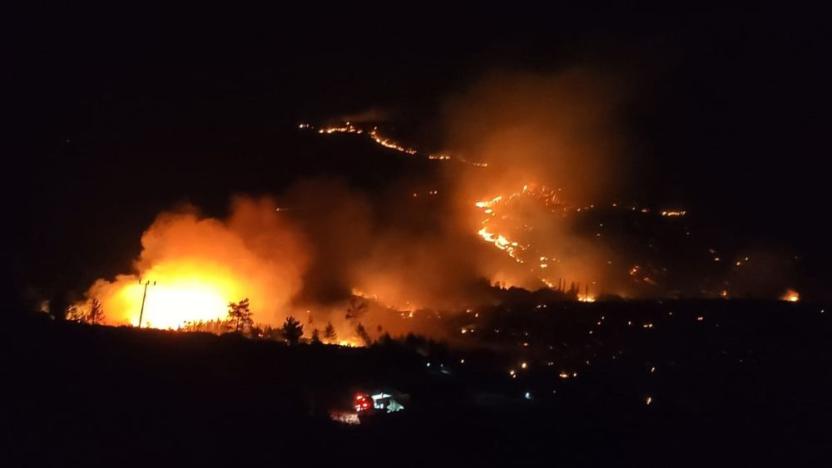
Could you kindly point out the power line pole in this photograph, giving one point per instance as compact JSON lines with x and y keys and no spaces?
{"x":144,"y":297}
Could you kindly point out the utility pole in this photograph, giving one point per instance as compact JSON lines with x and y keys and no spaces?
{"x":144,"y":297}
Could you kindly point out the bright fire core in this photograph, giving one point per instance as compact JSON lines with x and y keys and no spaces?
{"x":176,"y":298}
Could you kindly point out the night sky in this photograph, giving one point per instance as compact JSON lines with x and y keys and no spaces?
{"x":116,"y":116}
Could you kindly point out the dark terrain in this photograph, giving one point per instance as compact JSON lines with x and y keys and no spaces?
{"x":748,"y":384}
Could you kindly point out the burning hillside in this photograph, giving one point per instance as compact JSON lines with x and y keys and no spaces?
{"x":516,"y":200}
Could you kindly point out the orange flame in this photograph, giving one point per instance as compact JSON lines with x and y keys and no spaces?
{"x":791,"y":296}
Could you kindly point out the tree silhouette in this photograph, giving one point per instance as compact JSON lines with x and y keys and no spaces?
{"x":316,"y":336}
{"x":385,"y":340}
{"x":292,"y":330}
{"x":362,"y":333}
{"x":239,"y":316}
{"x":329,"y":333}
{"x":271,"y":333}
{"x":96,"y":312}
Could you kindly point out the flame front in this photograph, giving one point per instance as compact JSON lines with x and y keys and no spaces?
{"x":174,"y":298}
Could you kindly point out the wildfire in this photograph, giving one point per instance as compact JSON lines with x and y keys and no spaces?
{"x":489,"y":208}
{"x":500,"y":225}
{"x":504,"y":225}
{"x":499,"y":241}
{"x":791,"y":296}
{"x":390,"y":144}
{"x":192,"y":267}
{"x":178,"y":298}
{"x":350,"y":343}
{"x":387,"y":142}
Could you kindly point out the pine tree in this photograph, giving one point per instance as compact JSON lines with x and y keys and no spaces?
{"x":292,"y":330}
{"x":239,"y":316}
{"x":329,"y":333}
{"x":362,"y":333}
{"x":316,"y":336}
{"x":96,"y":312}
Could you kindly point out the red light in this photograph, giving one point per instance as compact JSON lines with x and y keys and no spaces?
{"x":362,"y":402}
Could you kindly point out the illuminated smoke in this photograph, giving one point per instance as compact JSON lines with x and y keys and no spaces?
{"x":525,"y":150}
{"x":201,"y":264}
{"x":550,"y":144}
{"x":558,"y":130}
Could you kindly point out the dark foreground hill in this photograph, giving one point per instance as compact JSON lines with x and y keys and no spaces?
{"x":752,"y":391}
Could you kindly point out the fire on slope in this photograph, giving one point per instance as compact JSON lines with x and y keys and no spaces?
{"x":507,"y":219}
{"x":385,"y":141}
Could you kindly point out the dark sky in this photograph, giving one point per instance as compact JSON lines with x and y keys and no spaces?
{"x":117,"y":115}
